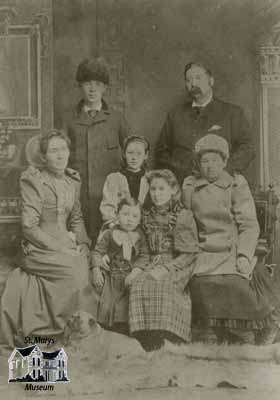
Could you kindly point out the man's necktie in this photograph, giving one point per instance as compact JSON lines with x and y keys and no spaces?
{"x":197,"y":110}
{"x":92,"y":113}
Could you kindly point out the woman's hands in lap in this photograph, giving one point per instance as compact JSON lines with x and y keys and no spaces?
{"x":243,"y":265}
{"x":132,"y":275}
{"x":71,"y":252}
{"x":83,"y":250}
{"x":158,"y":272}
{"x":80,"y":250}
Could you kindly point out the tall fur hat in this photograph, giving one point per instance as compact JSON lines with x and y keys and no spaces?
{"x":93,"y":69}
{"x":214,"y":143}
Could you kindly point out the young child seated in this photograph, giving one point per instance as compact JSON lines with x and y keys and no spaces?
{"x":130,"y":181}
{"x":112,"y":263}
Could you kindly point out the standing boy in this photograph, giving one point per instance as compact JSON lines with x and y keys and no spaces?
{"x":97,"y":133}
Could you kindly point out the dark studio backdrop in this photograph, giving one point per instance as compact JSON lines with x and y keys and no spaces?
{"x":148,"y":42}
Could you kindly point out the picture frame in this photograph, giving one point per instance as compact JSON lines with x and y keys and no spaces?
{"x":20,"y":77}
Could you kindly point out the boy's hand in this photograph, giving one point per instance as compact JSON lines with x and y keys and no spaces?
{"x":131,"y":276}
{"x":243,"y":265}
{"x":97,"y":278}
{"x":106,"y":261}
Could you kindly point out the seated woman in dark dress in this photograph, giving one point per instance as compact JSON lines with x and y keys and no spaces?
{"x":230,"y":291}
{"x":43,"y":293}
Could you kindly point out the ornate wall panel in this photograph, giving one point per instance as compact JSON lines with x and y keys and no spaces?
{"x":269,"y":62}
{"x":26,"y":97}
{"x":108,"y":34}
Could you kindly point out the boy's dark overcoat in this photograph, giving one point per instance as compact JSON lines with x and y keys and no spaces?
{"x":95,"y":152}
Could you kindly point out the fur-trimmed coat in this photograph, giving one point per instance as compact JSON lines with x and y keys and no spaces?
{"x":225,"y":214}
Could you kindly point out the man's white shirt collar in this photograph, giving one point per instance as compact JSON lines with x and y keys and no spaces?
{"x":87,"y":108}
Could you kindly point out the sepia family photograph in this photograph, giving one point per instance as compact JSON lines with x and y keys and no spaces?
{"x":140,"y":199}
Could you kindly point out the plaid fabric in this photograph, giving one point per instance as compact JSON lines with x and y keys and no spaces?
{"x":159,"y":305}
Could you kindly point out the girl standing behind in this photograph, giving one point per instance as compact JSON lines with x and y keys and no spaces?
{"x":129,"y":182}
{"x":112,"y":262}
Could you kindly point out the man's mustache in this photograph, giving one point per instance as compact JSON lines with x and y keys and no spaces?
{"x":195,"y":90}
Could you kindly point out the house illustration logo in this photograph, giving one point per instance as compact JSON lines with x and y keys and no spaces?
{"x":30,"y":364}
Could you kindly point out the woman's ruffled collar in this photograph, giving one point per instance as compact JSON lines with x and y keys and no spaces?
{"x":167,"y":208}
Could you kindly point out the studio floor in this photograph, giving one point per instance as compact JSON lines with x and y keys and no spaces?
{"x":114,"y":367}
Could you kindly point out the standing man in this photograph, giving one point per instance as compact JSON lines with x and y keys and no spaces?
{"x":97,"y":133}
{"x":204,"y":114}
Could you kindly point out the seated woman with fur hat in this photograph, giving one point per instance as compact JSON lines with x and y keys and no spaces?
{"x":231,"y":293}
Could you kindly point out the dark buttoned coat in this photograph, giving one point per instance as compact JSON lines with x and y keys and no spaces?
{"x":185,"y":124}
{"x":95,"y":152}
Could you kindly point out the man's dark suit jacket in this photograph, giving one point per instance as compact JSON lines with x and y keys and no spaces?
{"x":185,"y":124}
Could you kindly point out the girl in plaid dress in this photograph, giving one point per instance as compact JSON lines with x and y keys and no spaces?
{"x":159,"y":305}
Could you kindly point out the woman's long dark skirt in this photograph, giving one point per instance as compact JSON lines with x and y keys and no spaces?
{"x":230,"y":301}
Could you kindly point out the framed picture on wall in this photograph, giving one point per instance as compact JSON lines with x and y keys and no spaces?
{"x":20,"y":92}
